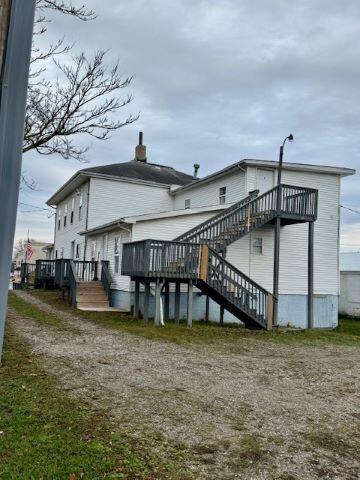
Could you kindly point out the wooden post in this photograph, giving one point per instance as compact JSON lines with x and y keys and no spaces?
{"x":269,"y":312}
{"x":221,"y":315}
{"x":157,"y":319}
{"x":166,"y":301}
{"x":190,"y":305}
{"x":276,"y":269}
{"x":310,"y":297}
{"x":136,"y":299}
{"x":207,"y":308}
{"x":203,"y":262}
{"x":177,"y":301}
{"x":146,"y":301}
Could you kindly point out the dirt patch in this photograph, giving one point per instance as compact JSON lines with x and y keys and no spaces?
{"x":269,"y":411}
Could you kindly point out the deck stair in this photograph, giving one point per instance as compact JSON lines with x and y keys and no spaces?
{"x":91,"y":295}
{"x":197,"y":256}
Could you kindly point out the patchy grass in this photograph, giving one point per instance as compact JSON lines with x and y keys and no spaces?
{"x":347,"y":333}
{"x":46,"y":434}
{"x":248,"y":452}
{"x":27,"y":310}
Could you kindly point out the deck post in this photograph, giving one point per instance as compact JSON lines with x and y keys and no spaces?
{"x":157,"y":319}
{"x":222,"y":315}
{"x":207,"y":308}
{"x":177,"y":301}
{"x":166,"y":301}
{"x":146,"y":301}
{"x":310,"y":297}
{"x":136,"y":299}
{"x":276,"y":268}
{"x":190,"y":304}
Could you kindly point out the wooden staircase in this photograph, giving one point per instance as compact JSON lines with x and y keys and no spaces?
{"x":197,"y":256}
{"x":91,"y":296}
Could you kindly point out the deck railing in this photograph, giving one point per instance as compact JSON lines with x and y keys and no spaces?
{"x":59,"y":271}
{"x":151,"y":258}
{"x":251,"y":212}
{"x":27,"y":270}
{"x":106,"y":278}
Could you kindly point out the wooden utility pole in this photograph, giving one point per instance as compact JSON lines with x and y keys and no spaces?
{"x":16,"y":29}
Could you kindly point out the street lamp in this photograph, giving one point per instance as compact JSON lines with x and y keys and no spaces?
{"x":290,"y":138}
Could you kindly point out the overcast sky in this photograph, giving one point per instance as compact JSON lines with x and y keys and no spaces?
{"x":218,"y":81}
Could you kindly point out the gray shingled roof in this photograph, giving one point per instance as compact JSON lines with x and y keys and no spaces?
{"x":150,"y":172}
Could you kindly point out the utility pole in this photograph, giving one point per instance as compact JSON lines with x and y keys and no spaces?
{"x":276,"y":271}
{"x":16,"y":29}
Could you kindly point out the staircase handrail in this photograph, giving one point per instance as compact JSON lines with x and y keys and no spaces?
{"x":73,"y":280}
{"x":217,"y":218}
{"x":106,"y":278}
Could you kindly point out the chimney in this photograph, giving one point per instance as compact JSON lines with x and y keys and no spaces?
{"x":196,"y":168}
{"x":140,"y":150}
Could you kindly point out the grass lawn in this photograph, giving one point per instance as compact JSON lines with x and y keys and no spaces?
{"x":46,"y":435}
{"x":347,"y":333}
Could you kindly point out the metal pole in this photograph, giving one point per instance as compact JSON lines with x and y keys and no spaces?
{"x":13,"y":89}
{"x":310,"y":298}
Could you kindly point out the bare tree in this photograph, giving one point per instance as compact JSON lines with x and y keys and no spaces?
{"x":82,"y":101}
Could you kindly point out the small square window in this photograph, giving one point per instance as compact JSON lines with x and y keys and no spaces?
{"x":187,"y":203}
{"x":222,"y":195}
{"x":257,"y":246}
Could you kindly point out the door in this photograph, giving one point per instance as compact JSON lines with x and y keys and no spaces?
{"x":264,"y":179}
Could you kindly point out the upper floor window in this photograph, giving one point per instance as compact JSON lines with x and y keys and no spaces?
{"x":222,"y":195}
{"x":59,"y":218}
{"x":72,"y":210}
{"x":80,"y":206}
{"x":77,"y":251}
{"x":65,"y":214}
{"x":257,"y":246}
{"x":187,"y":203}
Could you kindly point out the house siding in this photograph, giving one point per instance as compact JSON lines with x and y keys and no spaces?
{"x":208,"y":193}
{"x":70,"y":233}
{"x":111,"y":200}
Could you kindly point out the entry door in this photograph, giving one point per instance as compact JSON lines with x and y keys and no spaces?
{"x":264,"y":179}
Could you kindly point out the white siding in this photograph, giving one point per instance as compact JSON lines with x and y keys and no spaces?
{"x":111,"y":199}
{"x":168,"y":228}
{"x":208,"y":194}
{"x":293,"y":254}
{"x":65,"y":235}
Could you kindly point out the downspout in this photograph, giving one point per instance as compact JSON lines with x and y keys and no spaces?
{"x":87,"y":219}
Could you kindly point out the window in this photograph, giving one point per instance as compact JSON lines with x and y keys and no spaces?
{"x":59,"y":218}
{"x":65,"y":214}
{"x":56,"y":255}
{"x":222,"y":195}
{"x":80,"y":206}
{"x":116,"y":255}
{"x":257,"y":246}
{"x":72,"y":210}
{"x":93,"y":250}
{"x":77,"y":251}
{"x":187,"y":203}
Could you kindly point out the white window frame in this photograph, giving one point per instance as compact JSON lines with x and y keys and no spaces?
{"x":80,"y":206}
{"x":257,"y":246}
{"x":117,"y":267}
{"x":187,"y":203}
{"x":59,"y":219}
{"x":222,"y":195}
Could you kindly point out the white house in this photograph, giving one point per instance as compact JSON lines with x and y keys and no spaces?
{"x":100,"y":209}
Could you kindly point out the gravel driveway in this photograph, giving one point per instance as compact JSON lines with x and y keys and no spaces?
{"x":268,"y":411}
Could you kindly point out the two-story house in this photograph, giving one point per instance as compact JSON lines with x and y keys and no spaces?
{"x":100,"y":209}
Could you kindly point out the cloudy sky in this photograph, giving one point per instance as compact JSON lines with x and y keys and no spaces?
{"x":221,"y":80}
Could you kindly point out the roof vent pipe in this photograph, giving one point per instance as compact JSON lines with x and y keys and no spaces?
{"x":140,"y":150}
{"x":196,"y":169}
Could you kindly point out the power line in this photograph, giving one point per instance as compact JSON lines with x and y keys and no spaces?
{"x":351,"y":209}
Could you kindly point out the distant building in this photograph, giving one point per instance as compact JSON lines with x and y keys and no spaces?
{"x":350,"y":284}
{"x":40,"y":250}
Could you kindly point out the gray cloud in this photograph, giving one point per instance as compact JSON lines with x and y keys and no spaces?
{"x":217,"y":81}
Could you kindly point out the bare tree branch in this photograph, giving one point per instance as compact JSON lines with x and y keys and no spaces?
{"x":81,"y":102}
